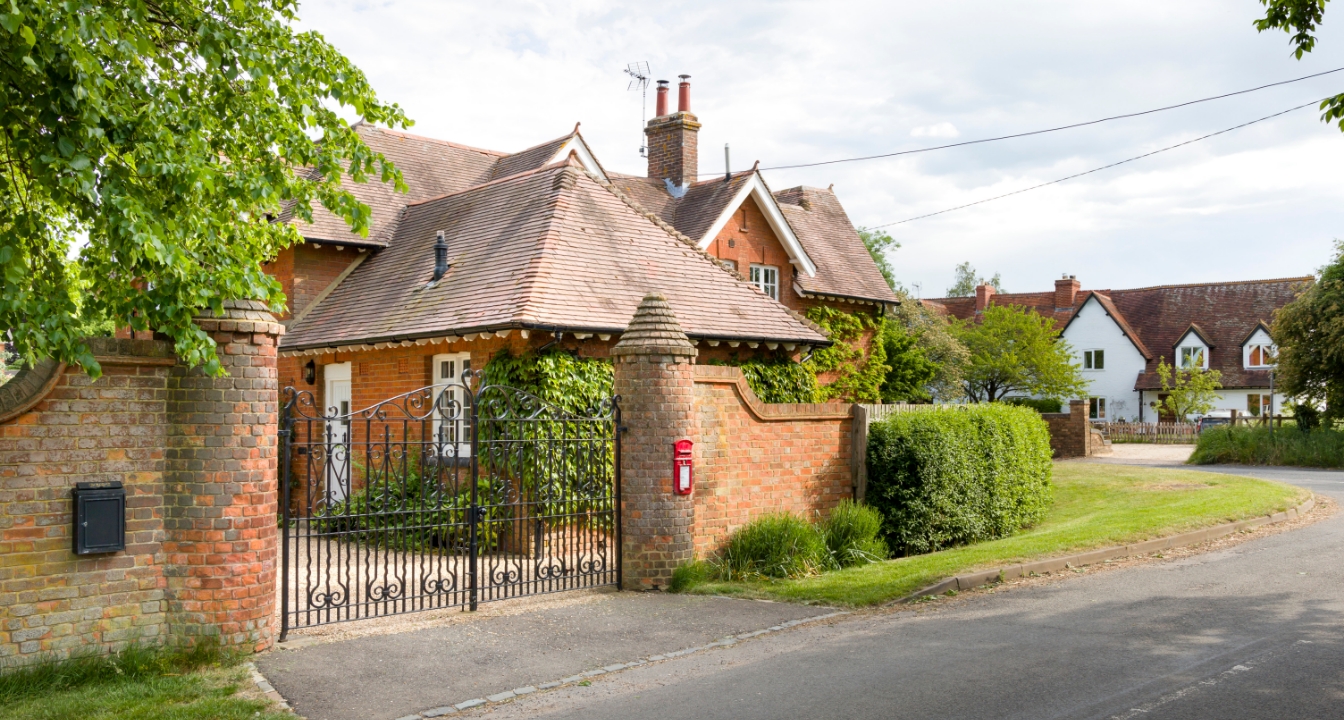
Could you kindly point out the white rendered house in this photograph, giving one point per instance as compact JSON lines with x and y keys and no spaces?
{"x":1118,"y":337}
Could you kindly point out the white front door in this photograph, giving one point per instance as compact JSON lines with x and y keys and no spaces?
{"x":338,"y":449}
{"x":451,"y":431}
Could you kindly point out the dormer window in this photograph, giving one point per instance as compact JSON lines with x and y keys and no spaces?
{"x":1192,"y":357}
{"x":1262,"y":356}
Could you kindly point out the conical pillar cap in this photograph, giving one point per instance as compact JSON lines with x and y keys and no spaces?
{"x":654,"y":330}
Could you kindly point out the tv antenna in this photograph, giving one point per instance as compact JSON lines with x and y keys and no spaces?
{"x":639,"y":80}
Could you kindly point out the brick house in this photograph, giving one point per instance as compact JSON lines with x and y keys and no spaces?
{"x":547,"y":246}
{"x":1119,"y":337}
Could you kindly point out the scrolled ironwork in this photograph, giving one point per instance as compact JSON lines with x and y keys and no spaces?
{"x":443,"y":496}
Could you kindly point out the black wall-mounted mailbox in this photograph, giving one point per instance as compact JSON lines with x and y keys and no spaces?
{"x":100,"y":518}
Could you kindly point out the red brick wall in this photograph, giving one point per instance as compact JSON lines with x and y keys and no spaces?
{"x":305,"y":270}
{"x":1070,"y":432}
{"x":752,"y":458}
{"x":113,"y":428}
{"x":755,"y":242}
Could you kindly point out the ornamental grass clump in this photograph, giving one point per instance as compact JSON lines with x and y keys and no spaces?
{"x":777,"y":545}
{"x":851,"y":533}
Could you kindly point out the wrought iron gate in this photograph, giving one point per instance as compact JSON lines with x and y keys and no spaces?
{"x":443,"y":497}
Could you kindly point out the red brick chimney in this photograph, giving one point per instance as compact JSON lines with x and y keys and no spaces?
{"x":982,"y":295}
{"x":1066,"y":291}
{"x":672,"y":137}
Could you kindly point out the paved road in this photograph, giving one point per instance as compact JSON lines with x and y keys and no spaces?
{"x":1254,"y":631}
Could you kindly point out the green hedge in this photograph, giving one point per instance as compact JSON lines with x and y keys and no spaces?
{"x":1041,"y":405}
{"x":948,"y":477}
{"x":1254,"y":445}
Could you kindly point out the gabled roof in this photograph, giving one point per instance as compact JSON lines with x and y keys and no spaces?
{"x":845,"y":269}
{"x":430,"y":168}
{"x":707,"y":206}
{"x":1262,"y":325}
{"x":1193,"y":330}
{"x":553,"y":248}
{"x":1223,"y":314}
{"x":810,"y":222}
{"x":1115,"y":315}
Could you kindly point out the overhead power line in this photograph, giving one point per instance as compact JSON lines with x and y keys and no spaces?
{"x":1099,"y":169}
{"x":1053,"y":129}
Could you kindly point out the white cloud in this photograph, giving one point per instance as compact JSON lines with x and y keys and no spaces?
{"x":786,"y":84}
{"x":941,"y":130}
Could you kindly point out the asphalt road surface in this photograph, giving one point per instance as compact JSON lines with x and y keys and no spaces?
{"x":1252,"y":631}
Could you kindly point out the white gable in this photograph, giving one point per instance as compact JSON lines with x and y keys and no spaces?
{"x":580,"y":148}
{"x":756,"y":189}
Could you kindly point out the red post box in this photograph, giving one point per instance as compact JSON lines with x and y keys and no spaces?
{"x":682,"y":477}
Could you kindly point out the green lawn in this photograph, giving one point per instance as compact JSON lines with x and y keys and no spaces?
{"x":1095,"y":506}
{"x":138,"y":685}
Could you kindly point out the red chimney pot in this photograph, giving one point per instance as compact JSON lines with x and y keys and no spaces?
{"x":684,"y":94}
{"x":660,"y":108}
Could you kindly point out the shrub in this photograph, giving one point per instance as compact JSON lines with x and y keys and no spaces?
{"x":1307,"y":416}
{"x":1041,"y":405}
{"x":777,"y":545}
{"x":1255,"y":445}
{"x":851,"y":535}
{"x":946,"y":477}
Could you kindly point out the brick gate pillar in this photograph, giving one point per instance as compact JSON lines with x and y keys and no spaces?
{"x":654,"y":365}
{"x":221,"y":483}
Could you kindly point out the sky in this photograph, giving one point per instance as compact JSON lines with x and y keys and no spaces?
{"x":800,"y":82}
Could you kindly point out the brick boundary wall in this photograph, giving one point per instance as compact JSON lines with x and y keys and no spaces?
{"x":752,"y":458}
{"x":197,"y":456}
{"x":222,"y":484}
{"x":1070,"y":432}
{"x":82,"y":430}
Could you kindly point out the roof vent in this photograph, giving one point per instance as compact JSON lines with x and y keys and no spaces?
{"x":440,"y":257}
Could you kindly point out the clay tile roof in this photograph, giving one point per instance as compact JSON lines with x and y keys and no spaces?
{"x":429,"y":168}
{"x":844,"y":266}
{"x":692,"y":214}
{"x":529,"y":159}
{"x":549,"y":249}
{"x":1224,"y":314}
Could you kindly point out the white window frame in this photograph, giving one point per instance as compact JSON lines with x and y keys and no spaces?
{"x":1096,"y":408}
{"x":760,"y":276}
{"x":1263,"y":400}
{"x":448,"y":371}
{"x":1090,"y":358}
{"x":1181,"y":352}
{"x":1262,"y":347}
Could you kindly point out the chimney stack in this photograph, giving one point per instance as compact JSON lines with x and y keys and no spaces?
{"x":660,"y":107}
{"x":1066,"y":292}
{"x":983,"y":294}
{"x":673,"y":150}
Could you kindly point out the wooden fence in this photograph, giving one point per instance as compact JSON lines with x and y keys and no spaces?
{"x":1161,"y":433}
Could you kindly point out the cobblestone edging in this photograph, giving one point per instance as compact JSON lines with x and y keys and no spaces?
{"x":507,"y":695}
{"x":974,"y":580}
{"x":266,"y":688}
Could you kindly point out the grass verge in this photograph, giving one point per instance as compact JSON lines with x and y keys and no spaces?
{"x":1242,"y":445}
{"x":143,"y":683}
{"x":1095,"y":506}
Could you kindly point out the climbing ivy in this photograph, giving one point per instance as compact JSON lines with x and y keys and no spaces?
{"x":777,"y":379}
{"x":860,"y":371}
{"x":575,"y":384}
